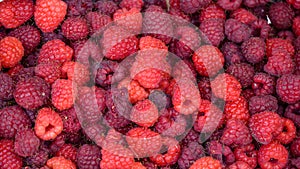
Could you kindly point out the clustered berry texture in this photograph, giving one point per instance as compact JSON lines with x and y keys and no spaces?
{"x":149,"y":84}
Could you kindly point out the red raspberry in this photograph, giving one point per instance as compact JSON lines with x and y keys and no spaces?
{"x":26,"y":143}
{"x":118,"y":43}
{"x":7,"y":87}
{"x":229,"y":5}
{"x":8,"y":158}
{"x":247,"y":94}
{"x":129,"y":4}
{"x":281,"y":15}
{"x":287,"y":35}
{"x":291,"y":113}
{"x":261,"y":28}
{"x":287,"y":88}
{"x":49,"y":14}
{"x":135,"y":90}
{"x":140,"y":139}
{"x":55,"y":51}
{"x":237,"y":31}
{"x":239,"y":165}
{"x":12,"y":118}
{"x":258,"y":104}
{"x":272,"y":155}
{"x":275,"y":45}
{"x":138,"y":165}
{"x":76,"y":72}
{"x":171,"y":156}
{"x":88,"y":156}
{"x":244,"y":16}
{"x":265,"y":126}
{"x":15,"y":13}
{"x":189,"y":154}
{"x":295,"y":3}
{"x":213,"y":11}
{"x":206,"y":163}
{"x":106,"y":7}
{"x":255,"y":3}
{"x":63,"y":94}
{"x":131,"y":20}
{"x":213,"y":30}
{"x":297,"y":63}
{"x":79,"y":7}
{"x":97,"y":21}
{"x":70,"y":120}
{"x":226,"y":87}
{"x":32,"y":93}
{"x":85,"y":50}
{"x":232,"y":53}
{"x":263,"y":84}
{"x":144,"y":113}
{"x":148,"y":42}
{"x":67,"y":151}
{"x":105,"y":72}
{"x":243,"y":72}
{"x":11,"y":52}
{"x":280,"y":63}
{"x":237,"y":109}
{"x":247,"y":154}
{"x":184,"y":69}
{"x":75,"y":28}
{"x":208,"y":60}
{"x":50,"y":72}
{"x":295,"y":147}
{"x":60,"y":163}
{"x":296,"y":25}
{"x":191,"y":136}
{"x":191,"y":6}
{"x":29,"y":36}
{"x":48,"y":124}
{"x":288,"y":133}
{"x":254,"y":49}
{"x":220,"y":152}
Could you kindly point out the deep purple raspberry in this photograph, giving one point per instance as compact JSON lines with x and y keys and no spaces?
{"x":243,"y":72}
{"x":263,"y":103}
{"x":6,"y":87}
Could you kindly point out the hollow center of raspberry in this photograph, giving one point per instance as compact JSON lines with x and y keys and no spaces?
{"x":273,"y":160}
{"x":285,"y":129}
{"x":201,"y":114}
{"x":187,"y":103}
{"x":49,"y":128}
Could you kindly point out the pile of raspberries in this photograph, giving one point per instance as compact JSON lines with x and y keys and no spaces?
{"x":149,"y":84}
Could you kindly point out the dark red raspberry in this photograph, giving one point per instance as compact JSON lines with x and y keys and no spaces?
{"x":293,"y":112}
{"x":75,"y":28}
{"x":67,"y":151}
{"x":48,"y":36}
{"x":239,"y":165}
{"x":237,"y":31}
{"x":213,"y":30}
{"x":76,"y":72}
{"x":29,"y":36}
{"x":288,"y":133}
{"x":180,"y":18}
{"x":229,"y":5}
{"x":31,"y":59}
{"x":70,"y":120}
{"x":213,"y":11}
{"x":6,"y":86}
{"x":281,"y":15}
{"x":297,"y":62}
{"x":204,"y":88}
{"x":220,"y":152}
{"x":32,"y":93}
{"x":296,"y":25}
{"x":232,"y":53}
{"x":272,"y":155}
{"x":265,"y":126}
{"x":258,"y":104}
{"x":39,"y":159}
{"x":97,"y":21}
{"x":247,"y":154}
{"x":236,"y":133}
{"x":254,"y":49}
{"x":105,"y":73}
{"x":243,"y":15}
{"x":277,"y":45}
{"x":243,"y":72}
{"x":287,"y":35}
{"x":295,"y":147}
{"x":26,"y":143}
{"x":50,"y":72}
{"x":294,"y":163}
{"x":261,"y":28}
{"x":288,"y":88}
{"x":106,"y":7}
{"x":191,"y":136}
{"x":79,"y":7}
{"x":280,"y":63}
{"x":255,"y":3}
{"x":129,"y":4}
{"x":247,"y":94}
{"x":191,"y":6}
{"x":8,"y":158}
{"x":189,"y":154}
{"x":263,"y":84}
{"x":22,"y":74}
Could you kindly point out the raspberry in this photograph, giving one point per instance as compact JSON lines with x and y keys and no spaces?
{"x":131,"y":20}
{"x":206,"y":163}
{"x":135,"y":90}
{"x":246,"y":154}
{"x":50,"y":72}
{"x":226,"y":87}
{"x":296,"y":25}
{"x":55,"y":51}
{"x":213,"y":11}
{"x":40,"y":158}
{"x":273,"y":155}
{"x":291,"y":112}
{"x":229,"y":5}
{"x":287,"y":88}
{"x":277,"y":45}
{"x":140,"y":139}
{"x":160,"y":99}
{"x":26,"y":143}
{"x":129,"y":4}
{"x":263,"y":84}
{"x":11,"y":52}
{"x":105,"y":72}
{"x":237,"y":109}
{"x":254,"y":49}
{"x":288,"y":133}
{"x":184,"y":69}
{"x":60,"y":163}
{"x":106,"y":7}
{"x":232,"y":53}
{"x":29,"y":36}
{"x":265,"y":126}
{"x":75,"y":28}
{"x":258,"y":104}
{"x":23,"y":74}
{"x":297,"y":63}
{"x":208,"y":60}
{"x":118,"y":44}
{"x":48,"y":36}
{"x":287,"y":35}
{"x":295,"y":3}
{"x":295,"y":147}
{"x":180,"y":17}
{"x":171,"y":156}
{"x":189,"y":154}
{"x":204,"y":88}
{"x":6,"y":87}
{"x":49,"y":14}
{"x":86,"y":51}
{"x":255,"y":3}
{"x":97,"y":21}
{"x":239,"y":165}
{"x":79,"y":7}
{"x":191,"y":136}
{"x":191,"y":6}
{"x":67,"y":151}
{"x":244,"y":16}
{"x":213,"y":30}
{"x":280,"y":63}
{"x":48,"y":124}
{"x":32,"y":93}
{"x":88,"y":156}
{"x":281,"y":15}
{"x":70,"y":121}
{"x":8,"y":158}
{"x":76,"y":72}
{"x":220,"y":152}
{"x":148,"y":42}
{"x":236,"y":133}
{"x":243,"y":72}
{"x":294,"y":163}
{"x":15,"y":13}
{"x":137,"y":165}
{"x":144,"y":113}
{"x":63,"y":94}
{"x":237,"y":31}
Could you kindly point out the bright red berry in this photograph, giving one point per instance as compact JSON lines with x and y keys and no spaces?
{"x":288,"y":88}
{"x":288,"y":133}
{"x":11,"y":51}
{"x":63,"y":94}
{"x":8,"y":158}
{"x":206,"y":163}
{"x":243,"y":15}
{"x":272,"y":155}
{"x":247,"y":154}
{"x":129,"y":4}
{"x":60,"y":163}
{"x":213,"y":11}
